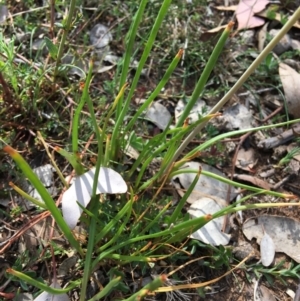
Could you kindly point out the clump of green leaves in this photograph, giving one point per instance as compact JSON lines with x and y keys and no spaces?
{"x":278,"y":271}
{"x":289,"y":156}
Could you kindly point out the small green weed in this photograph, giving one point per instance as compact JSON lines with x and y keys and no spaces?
{"x":277,"y":272}
{"x":289,"y":156}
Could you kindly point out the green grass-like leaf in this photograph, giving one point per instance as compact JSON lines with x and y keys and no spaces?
{"x":49,"y":202}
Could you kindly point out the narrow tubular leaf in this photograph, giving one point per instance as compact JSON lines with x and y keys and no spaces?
{"x":27,"y":196}
{"x":157,"y":90}
{"x":40,"y":285}
{"x":155,"y":284}
{"x":183,"y":200}
{"x":106,"y":290}
{"x":129,"y":47}
{"x":205,"y":74}
{"x":49,"y":202}
{"x":149,"y":44}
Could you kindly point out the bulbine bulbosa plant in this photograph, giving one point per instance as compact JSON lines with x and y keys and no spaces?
{"x":111,"y":199}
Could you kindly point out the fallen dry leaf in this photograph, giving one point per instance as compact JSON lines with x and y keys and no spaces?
{"x":246,"y":10}
{"x":199,"y":109}
{"x":254,"y":180}
{"x":284,"y":232}
{"x":264,"y":294}
{"x":109,"y":181}
{"x":227,"y":8}
{"x":212,"y":232}
{"x":206,"y":186}
{"x":262,"y":35}
{"x":212,"y":33}
{"x":216,"y":29}
{"x":159,"y":115}
{"x":246,"y":159}
{"x":290,"y":79}
{"x":264,"y":14}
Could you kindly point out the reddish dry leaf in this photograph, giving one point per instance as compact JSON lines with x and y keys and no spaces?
{"x":263,"y":14}
{"x":246,"y":10}
{"x":7,"y":296}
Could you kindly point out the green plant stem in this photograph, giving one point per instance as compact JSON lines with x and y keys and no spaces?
{"x":152,"y":286}
{"x":196,"y":150}
{"x":75,"y":124}
{"x":108,"y":154}
{"x":184,"y":229}
{"x":60,"y":175}
{"x":66,"y":30}
{"x":27,"y":196}
{"x":157,"y":149}
{"x":205,"y":74}
{"x":156,"y":220}
{"x":106,"y":159}
{"x":252,"y":206}
{"x":46,"y":197}
{"x":129,"y":49}
{"x":213,"y":140}
{"x":94,"y":200}
{"x":227,"y":181}
{"x":130,"y":258}
{"x":183,"y":200}
{"x":240,"y":82}
{"x":73,"y":159}
{"x":106,"y":290}
{"x":157,"y":90}
{"x":113,"y":223}
{"x":198,"y":222}
{"x":150,"y":42}
{"x":40,"y":285}
{"x":90,"y":249}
